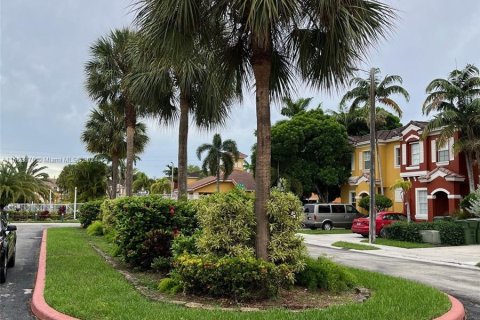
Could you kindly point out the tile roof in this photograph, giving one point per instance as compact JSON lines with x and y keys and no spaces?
{"x":441,"y":172}
{"x":387,"y":134}
{"x":236,"y":177}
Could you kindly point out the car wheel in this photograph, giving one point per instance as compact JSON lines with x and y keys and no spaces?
{"x":11,"y":262}
{"x":327,"y":226}
{"x":3,"y":269}
{"x":383,"y":233}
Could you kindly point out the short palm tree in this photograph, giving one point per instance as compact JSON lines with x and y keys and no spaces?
{"x":17,"y":184}
{"x":267,"y":43}
{"x":105,"y":134}
{"x":141,"y":181}
{"x":456,"y":101}
{"x":359,"y":98}
{"x":405,"y":186}
{"x":30,"y":167}
{"x":221,"y":156}
{"x":109,"y":67}
{"x":161,"y":186}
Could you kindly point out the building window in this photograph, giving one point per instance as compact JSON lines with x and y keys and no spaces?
{"x":366,"y":160}
{"x":399,"y":195}
{"x":353,"y":198}
{"x":443,"y":153}
{"x":397,"y":157}
{"x":422,"y":204}
{"x":415,"y":153}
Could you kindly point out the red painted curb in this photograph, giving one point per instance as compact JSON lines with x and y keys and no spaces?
{"x":456,"y":312}
{"x":40,"y":308}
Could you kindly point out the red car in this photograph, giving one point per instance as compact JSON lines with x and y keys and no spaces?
{"x":384,"y":218}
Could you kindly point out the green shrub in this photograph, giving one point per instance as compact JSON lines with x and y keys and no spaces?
{"x":325,"y":274}
{"x":143,"y":227}
{"x":237,"y":278}
{"x":169,"y":285}
{"x":89,"y":212}
{"x":95,"y":228}
{"x":185,"y":244}
{"x":227,"y":225}
{"x":161,"y":264}
{"x":450,"y":232}
{"x":381,"y":202}
{"x":462,"y":214}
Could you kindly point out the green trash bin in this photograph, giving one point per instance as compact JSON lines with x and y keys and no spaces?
{"x":470,"y":231}
{"x":476,"y":222}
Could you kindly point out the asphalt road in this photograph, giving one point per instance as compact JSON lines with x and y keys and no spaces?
{"x":16,"y":293}
{"x":464,"y":284}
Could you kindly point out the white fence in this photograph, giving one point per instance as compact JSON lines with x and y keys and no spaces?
{"x":39,"y":207}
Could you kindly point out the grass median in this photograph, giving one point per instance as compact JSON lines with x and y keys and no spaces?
{"x":80,"y":283}
{"x":401,"y":244}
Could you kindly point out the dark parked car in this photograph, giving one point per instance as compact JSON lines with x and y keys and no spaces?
{"x":8,"y":241}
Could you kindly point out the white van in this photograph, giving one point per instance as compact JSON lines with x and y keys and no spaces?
{"x":329,"y":215}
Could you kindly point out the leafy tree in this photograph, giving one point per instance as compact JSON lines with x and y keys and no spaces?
{"x":105,"y":133}
{"x":168,"y":173}
{"x":405,"y":186}
{"x":356,"y":121}
{"x":17,"y":183}
{"x":161,"y":186}
{"x":220,"y":156}
{"x":311,"y":149}
{"x":381,"y":202}
{"x":456,"y":101}
{"x":90,"y":178}
{"x":107,"y":71}
{"x":271,"y":41}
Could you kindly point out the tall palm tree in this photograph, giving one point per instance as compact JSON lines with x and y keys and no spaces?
{"x":105,"y":134}
{"x":220,"y":156}
{"x":187,"y":83}
{"x":457,"y":103}
{"x":359,"y":97}
{"x":292,"y":108}
{"x":271,"y":41}
{"x":110,"y":65}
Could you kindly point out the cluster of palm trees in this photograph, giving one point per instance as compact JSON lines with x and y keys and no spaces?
{"x":194,"y":58}
{"x":22,"y":180}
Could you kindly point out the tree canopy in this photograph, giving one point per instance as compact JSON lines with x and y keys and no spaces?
{"x":311,"y":149}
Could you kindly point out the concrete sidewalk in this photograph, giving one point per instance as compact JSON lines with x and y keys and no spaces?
{"x":459,"y":256}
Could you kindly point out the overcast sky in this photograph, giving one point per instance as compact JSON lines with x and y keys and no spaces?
{"x":45,"y":44}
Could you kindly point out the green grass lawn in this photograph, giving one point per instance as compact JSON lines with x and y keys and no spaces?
{"x":401,"y":244}
{"x":351,"y":245}
{"x":320,"y":231}
{"x":80,"y":283}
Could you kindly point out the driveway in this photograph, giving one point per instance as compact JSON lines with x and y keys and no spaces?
{"x":460,"y":280}
{"x":16,"y":293}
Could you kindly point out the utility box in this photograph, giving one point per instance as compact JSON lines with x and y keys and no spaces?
{"x":431,"y":236}
{"x":475,"y":225}
{"x":470,"y":231}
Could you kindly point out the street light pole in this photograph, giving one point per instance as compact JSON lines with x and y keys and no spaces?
{"x":373,"y":214}
{"x":75,"y":205}
{"x":173,"y":185}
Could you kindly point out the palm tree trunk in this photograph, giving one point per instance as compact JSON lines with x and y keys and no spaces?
{"x":182,"y":146}
{"x":262,"y":66}
{"x":469,"y":164}
{"x":218,"y":172}
{"x":130,"y":119}
{"x":115,"y":161}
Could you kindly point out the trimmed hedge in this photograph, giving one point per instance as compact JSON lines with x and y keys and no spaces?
{"x":89,"y":212}
{"x":238,"y":278}
{"x":144,"y":227}
{"x":322,"y":273}
{"x":37,"y":216}
{"x":450,"y":233}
